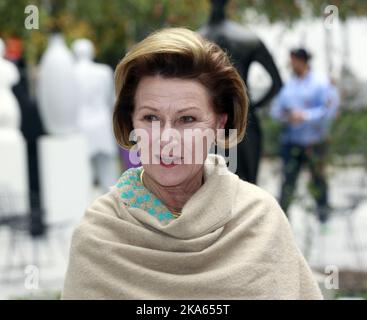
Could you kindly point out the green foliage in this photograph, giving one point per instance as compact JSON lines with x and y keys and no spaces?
{"x":285,"y":10}
{"x":350,"y":294}
{"x":114,"y":25}
{"x":346,"y":8}
{"x":349,"y":133}
{"x":291,"y":10}
{"x":39,"y":295}
{"x":271,"y":130}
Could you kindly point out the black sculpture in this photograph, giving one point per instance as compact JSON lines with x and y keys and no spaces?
{"x":244,"y":48}
{"x":32,"y":129}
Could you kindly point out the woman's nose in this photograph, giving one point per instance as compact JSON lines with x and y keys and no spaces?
{"x":169,"y":134}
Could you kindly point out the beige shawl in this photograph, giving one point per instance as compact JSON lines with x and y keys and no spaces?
{"x":232,"y":241}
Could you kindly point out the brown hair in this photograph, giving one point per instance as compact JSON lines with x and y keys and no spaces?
{"x":180,"y":53}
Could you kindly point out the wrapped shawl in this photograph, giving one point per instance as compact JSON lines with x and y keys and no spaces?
{"x":232,"y":241}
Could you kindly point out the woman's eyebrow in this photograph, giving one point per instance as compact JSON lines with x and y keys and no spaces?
{"x":189,"y":108}
{"x":179,"y":111}
{"x":148,"y":107}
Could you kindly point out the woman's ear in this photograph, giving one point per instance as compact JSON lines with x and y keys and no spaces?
{"x":222,"y":120}
{"x":221,"y":123}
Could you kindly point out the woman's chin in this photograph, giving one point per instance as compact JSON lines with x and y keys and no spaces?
{"x":170,"y":175}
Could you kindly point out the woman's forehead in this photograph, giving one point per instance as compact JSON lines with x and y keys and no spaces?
{"x":165,"y":89}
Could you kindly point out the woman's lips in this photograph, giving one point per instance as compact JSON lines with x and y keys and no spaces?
{"x":167,"y":165}
{"x":169,"y":162}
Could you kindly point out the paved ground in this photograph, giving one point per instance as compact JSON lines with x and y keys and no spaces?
{"x":343,"y":243}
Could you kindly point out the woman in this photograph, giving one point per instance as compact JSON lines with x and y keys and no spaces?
{"x":178,"y":227}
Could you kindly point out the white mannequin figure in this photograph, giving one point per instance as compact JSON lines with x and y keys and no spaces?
{"x":56,"y":95}
{"x":64,"y":164}
{"x":95,"y":98}
{"x":13,"y":155}
{"x":9,"y":107}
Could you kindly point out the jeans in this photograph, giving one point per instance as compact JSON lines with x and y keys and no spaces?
{"x":294,"y":158}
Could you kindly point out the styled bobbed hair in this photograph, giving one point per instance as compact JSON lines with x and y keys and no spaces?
{"x":180,"y":53}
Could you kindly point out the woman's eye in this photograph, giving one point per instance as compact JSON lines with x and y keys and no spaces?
{"x":151,"y":117}
{"x":187,"y":119}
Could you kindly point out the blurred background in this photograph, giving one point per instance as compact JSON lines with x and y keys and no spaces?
{"x":57,"y":151}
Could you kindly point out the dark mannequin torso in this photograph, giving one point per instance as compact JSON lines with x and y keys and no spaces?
{"x":244,"y":48}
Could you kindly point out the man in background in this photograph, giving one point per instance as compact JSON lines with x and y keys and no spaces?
{"x":305,"y":106}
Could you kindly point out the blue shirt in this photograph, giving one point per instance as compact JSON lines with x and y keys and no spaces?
{"x":313,"y":95}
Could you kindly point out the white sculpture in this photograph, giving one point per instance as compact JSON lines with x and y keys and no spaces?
{"x":9,"y":107}
{"x":64,"y":164}
{"x":13,"y":154}
{"x":95,"y":99}
{"x":56,"y":88}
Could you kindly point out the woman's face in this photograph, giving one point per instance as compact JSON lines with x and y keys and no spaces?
{"x":175,"y":124}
